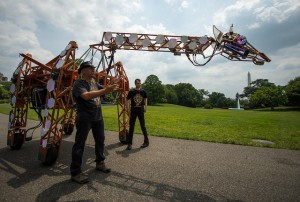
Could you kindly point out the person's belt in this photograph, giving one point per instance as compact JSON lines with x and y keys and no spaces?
{"x":96,"y":107}
{"x":92,"y":107}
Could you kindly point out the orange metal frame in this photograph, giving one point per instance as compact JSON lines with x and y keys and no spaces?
{"x":57,"y":77}
{"x":57,"y":117}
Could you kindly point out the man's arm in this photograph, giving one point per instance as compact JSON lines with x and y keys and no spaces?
{"x":145,"y":107}
{"x":128,"y":101}
{"x":98,"y":93}
{"x":128,"y":105}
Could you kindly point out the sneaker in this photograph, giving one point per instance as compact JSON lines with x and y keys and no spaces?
{"x":80,"y":178}
{"x":145,"y":145}
{"x":129,"y":147}
{"x":101,"y":167}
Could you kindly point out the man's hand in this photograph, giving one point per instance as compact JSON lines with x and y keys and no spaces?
{"x":97,"y":93}
{"x":116,"y":80}
{"x":112,"y":87}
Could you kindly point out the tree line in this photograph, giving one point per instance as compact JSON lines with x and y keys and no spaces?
{"x":5,"y":91}
{"x":260,"y":93}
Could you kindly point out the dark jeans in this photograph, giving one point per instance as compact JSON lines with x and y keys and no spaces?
{"x":133,"y":115}
{"x":83,"y":128}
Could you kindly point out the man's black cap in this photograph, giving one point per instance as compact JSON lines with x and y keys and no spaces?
{"x":85,"y":65}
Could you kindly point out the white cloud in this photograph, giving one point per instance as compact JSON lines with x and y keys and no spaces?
{"x":147,"y":29}
{"x":221,"y":16}
{"x":171,"y":2}
{"x":86,"y":20}
{"x":13,"y":37}
{"x":25,"y":26}
{"x":178,"y":4}
{"x":19,"y":13}
{"x":286,"y":64}
{"x":254,"y":25}
{"x":15,"y":40}
{"x":278,"y":11}
{"x":283,"y":67}
{"x":185,"y":4}
{"x":261,"y":11}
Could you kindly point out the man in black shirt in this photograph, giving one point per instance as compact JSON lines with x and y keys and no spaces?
{"x":138,"y":100}
{"x":86,"y":93}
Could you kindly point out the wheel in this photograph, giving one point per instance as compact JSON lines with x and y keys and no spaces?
{"x":123,"y":136}
{"x":51,"y":156}
{"x":18,"y":141}
{"x":68,"y":128}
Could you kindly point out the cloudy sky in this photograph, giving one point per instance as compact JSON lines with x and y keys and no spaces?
{"x":45,"y":27}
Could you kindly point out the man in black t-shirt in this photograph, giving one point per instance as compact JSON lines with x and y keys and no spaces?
{"x":86,"y":93}
{"x":137,"y":99}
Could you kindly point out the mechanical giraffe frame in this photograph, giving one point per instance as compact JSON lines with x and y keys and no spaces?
{"x":47,"y":88}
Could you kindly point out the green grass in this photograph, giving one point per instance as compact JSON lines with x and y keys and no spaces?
{"x":214,"y":125}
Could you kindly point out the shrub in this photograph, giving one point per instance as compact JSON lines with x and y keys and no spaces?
{"x":3,"y":101}
{"x":207,"y":106}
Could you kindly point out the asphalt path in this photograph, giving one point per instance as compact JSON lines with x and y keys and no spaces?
{"x":168,"y":170}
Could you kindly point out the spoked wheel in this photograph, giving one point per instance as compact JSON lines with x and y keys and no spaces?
{"x":18,"y":141}
{"x":51,"y":156}
{"x":68,"y":128}
{"x":123,"y":136}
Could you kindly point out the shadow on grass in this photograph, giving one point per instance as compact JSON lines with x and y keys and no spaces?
{"x":157,"y":105}
{"x":278,"y":109}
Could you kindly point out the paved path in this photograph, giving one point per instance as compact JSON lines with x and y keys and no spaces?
{"x":168,"y":170}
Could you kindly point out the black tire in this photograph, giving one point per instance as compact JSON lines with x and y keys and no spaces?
{"x":51,"y":156}
{"x":123,"y":136}
{"x":18,"y":141}
{"x":68,"y":128}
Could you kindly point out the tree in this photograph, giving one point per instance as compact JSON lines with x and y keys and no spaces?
{"x":170,"y":94}
{"x":5,"y":90}
{"x":269,"y":97}
{"x":6,"y":85}
{"x":203,"y":92}
{"x":293,"y":92}
{"x":203,"y":95}
{"x":231,"y":103}
{"x":254,"y":86}
{"x":4,"y":94}
{"x":154,"y":89}
{"x":218,"y":100}
{"x":187,"y":95}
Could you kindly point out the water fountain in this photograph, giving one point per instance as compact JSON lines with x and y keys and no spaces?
{"x":238,"y":103}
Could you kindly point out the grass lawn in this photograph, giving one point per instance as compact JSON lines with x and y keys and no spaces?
{"x":282,"y":127}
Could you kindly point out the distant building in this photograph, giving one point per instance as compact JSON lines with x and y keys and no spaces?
{"x":2,"y":77}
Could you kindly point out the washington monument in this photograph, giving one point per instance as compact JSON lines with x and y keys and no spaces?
{"x":249,"y":79}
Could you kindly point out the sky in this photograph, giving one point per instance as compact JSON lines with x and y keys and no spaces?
{"x":44,"y":28}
